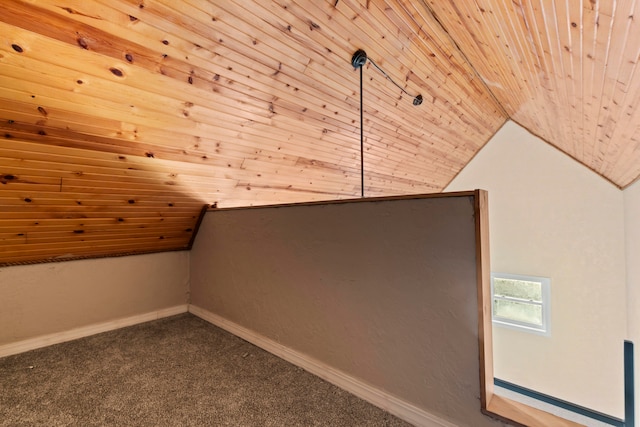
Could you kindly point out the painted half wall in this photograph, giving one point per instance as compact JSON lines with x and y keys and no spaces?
{"x":632,"y":234}
{"x":383,"y":291}
{"x":550,"y":216}
{"x":42,"y":299}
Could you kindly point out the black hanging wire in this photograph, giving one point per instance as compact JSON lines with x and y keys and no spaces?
{"x":358,"y":60}
{"x":361,"y":140}
{"x":417,"y":100}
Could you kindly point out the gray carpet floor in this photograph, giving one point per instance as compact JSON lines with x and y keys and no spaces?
{"x":179,"y":371}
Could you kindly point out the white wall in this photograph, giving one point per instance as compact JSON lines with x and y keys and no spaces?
{"x":550,"y":216}
{"x":43,"y":299}
{"x":632,"y":234}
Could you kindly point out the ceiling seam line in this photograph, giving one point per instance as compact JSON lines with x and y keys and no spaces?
{"x":464,"y":56}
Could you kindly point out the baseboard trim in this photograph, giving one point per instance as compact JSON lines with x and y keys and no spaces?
{"x":381,"y":399}
{"x":559,"y":403}
{"x":85,"y":331}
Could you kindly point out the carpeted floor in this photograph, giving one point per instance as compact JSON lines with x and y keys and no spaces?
{"x":179,"y":371}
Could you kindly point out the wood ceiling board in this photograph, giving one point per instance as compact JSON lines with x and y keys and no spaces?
{"x":65,"y":158}
{"x":564,"y":70}
{"x":234,"y":102}
{"x":40,"y":238}
{"x":69,"y":226}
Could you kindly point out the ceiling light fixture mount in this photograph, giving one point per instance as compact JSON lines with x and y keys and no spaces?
{"x":359,"y":58}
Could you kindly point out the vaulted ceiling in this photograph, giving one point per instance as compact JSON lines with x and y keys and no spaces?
{"x":122,"y":119}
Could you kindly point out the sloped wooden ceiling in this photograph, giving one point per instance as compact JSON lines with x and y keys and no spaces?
{"x":123,"y":118}
{"x":565,"y":70}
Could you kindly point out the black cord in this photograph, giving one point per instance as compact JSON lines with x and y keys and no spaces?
{"x":358,"y":60}
{"x":361,"y":140}
{"x":389,"y":78}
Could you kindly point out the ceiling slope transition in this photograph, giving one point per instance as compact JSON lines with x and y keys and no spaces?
{"x":565,"y":70}
{"x":121,"y":119}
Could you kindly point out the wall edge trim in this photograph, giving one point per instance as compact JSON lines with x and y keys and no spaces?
{"x":194,"y":233}
{"x":560,"y":403}
{"x":85,"y":331}
{"x":377,"y":397}
{"x":350,"y":200}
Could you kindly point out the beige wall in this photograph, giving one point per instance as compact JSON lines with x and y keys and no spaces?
{"x":632,"y":234}
{"x":552,"y":217}
{"x":382,"y":291}
{"x":42,"y":299}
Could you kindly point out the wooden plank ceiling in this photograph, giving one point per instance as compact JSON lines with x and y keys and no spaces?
{"x":565,"y":70}
{"x":123,"y":118}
